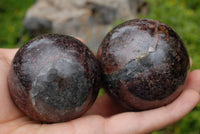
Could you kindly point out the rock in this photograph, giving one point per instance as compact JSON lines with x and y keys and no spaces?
{"x":36,"y":26}
{"x":87,"y":19}
{"x":102,"y":14}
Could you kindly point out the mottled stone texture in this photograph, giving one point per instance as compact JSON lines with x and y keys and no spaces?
{"x":144,"y":63}
{"x":54,"y":78}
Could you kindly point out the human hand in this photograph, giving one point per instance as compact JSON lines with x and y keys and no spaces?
{"x":104,"y":117}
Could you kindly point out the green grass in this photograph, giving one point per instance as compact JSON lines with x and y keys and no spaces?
{"x":12,"y":32}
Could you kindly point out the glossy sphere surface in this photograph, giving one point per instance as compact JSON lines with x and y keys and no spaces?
{"x":144,"y":63}
{"x":54,"y":78}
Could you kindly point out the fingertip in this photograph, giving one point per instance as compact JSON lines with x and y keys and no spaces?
{"x":193,"y":81}
{"x":80,"y":39}
{"x":191,"y":62}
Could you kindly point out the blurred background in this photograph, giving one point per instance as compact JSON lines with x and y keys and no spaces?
{"x":21,"y":20}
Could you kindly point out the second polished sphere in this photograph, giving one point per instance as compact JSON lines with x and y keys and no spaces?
{"x":145,"y":64}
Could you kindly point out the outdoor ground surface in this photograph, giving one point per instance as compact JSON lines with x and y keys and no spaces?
{"x":182,"y":15}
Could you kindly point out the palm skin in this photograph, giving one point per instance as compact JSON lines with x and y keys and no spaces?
{"x":104,"y":117}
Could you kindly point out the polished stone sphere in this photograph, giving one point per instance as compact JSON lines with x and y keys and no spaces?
{"x":145,"y":64}
{"x":54,"y":78}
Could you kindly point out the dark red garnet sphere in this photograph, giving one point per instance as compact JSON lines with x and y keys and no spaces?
{"x":144,"y":63}
{"x":54,"y":78}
